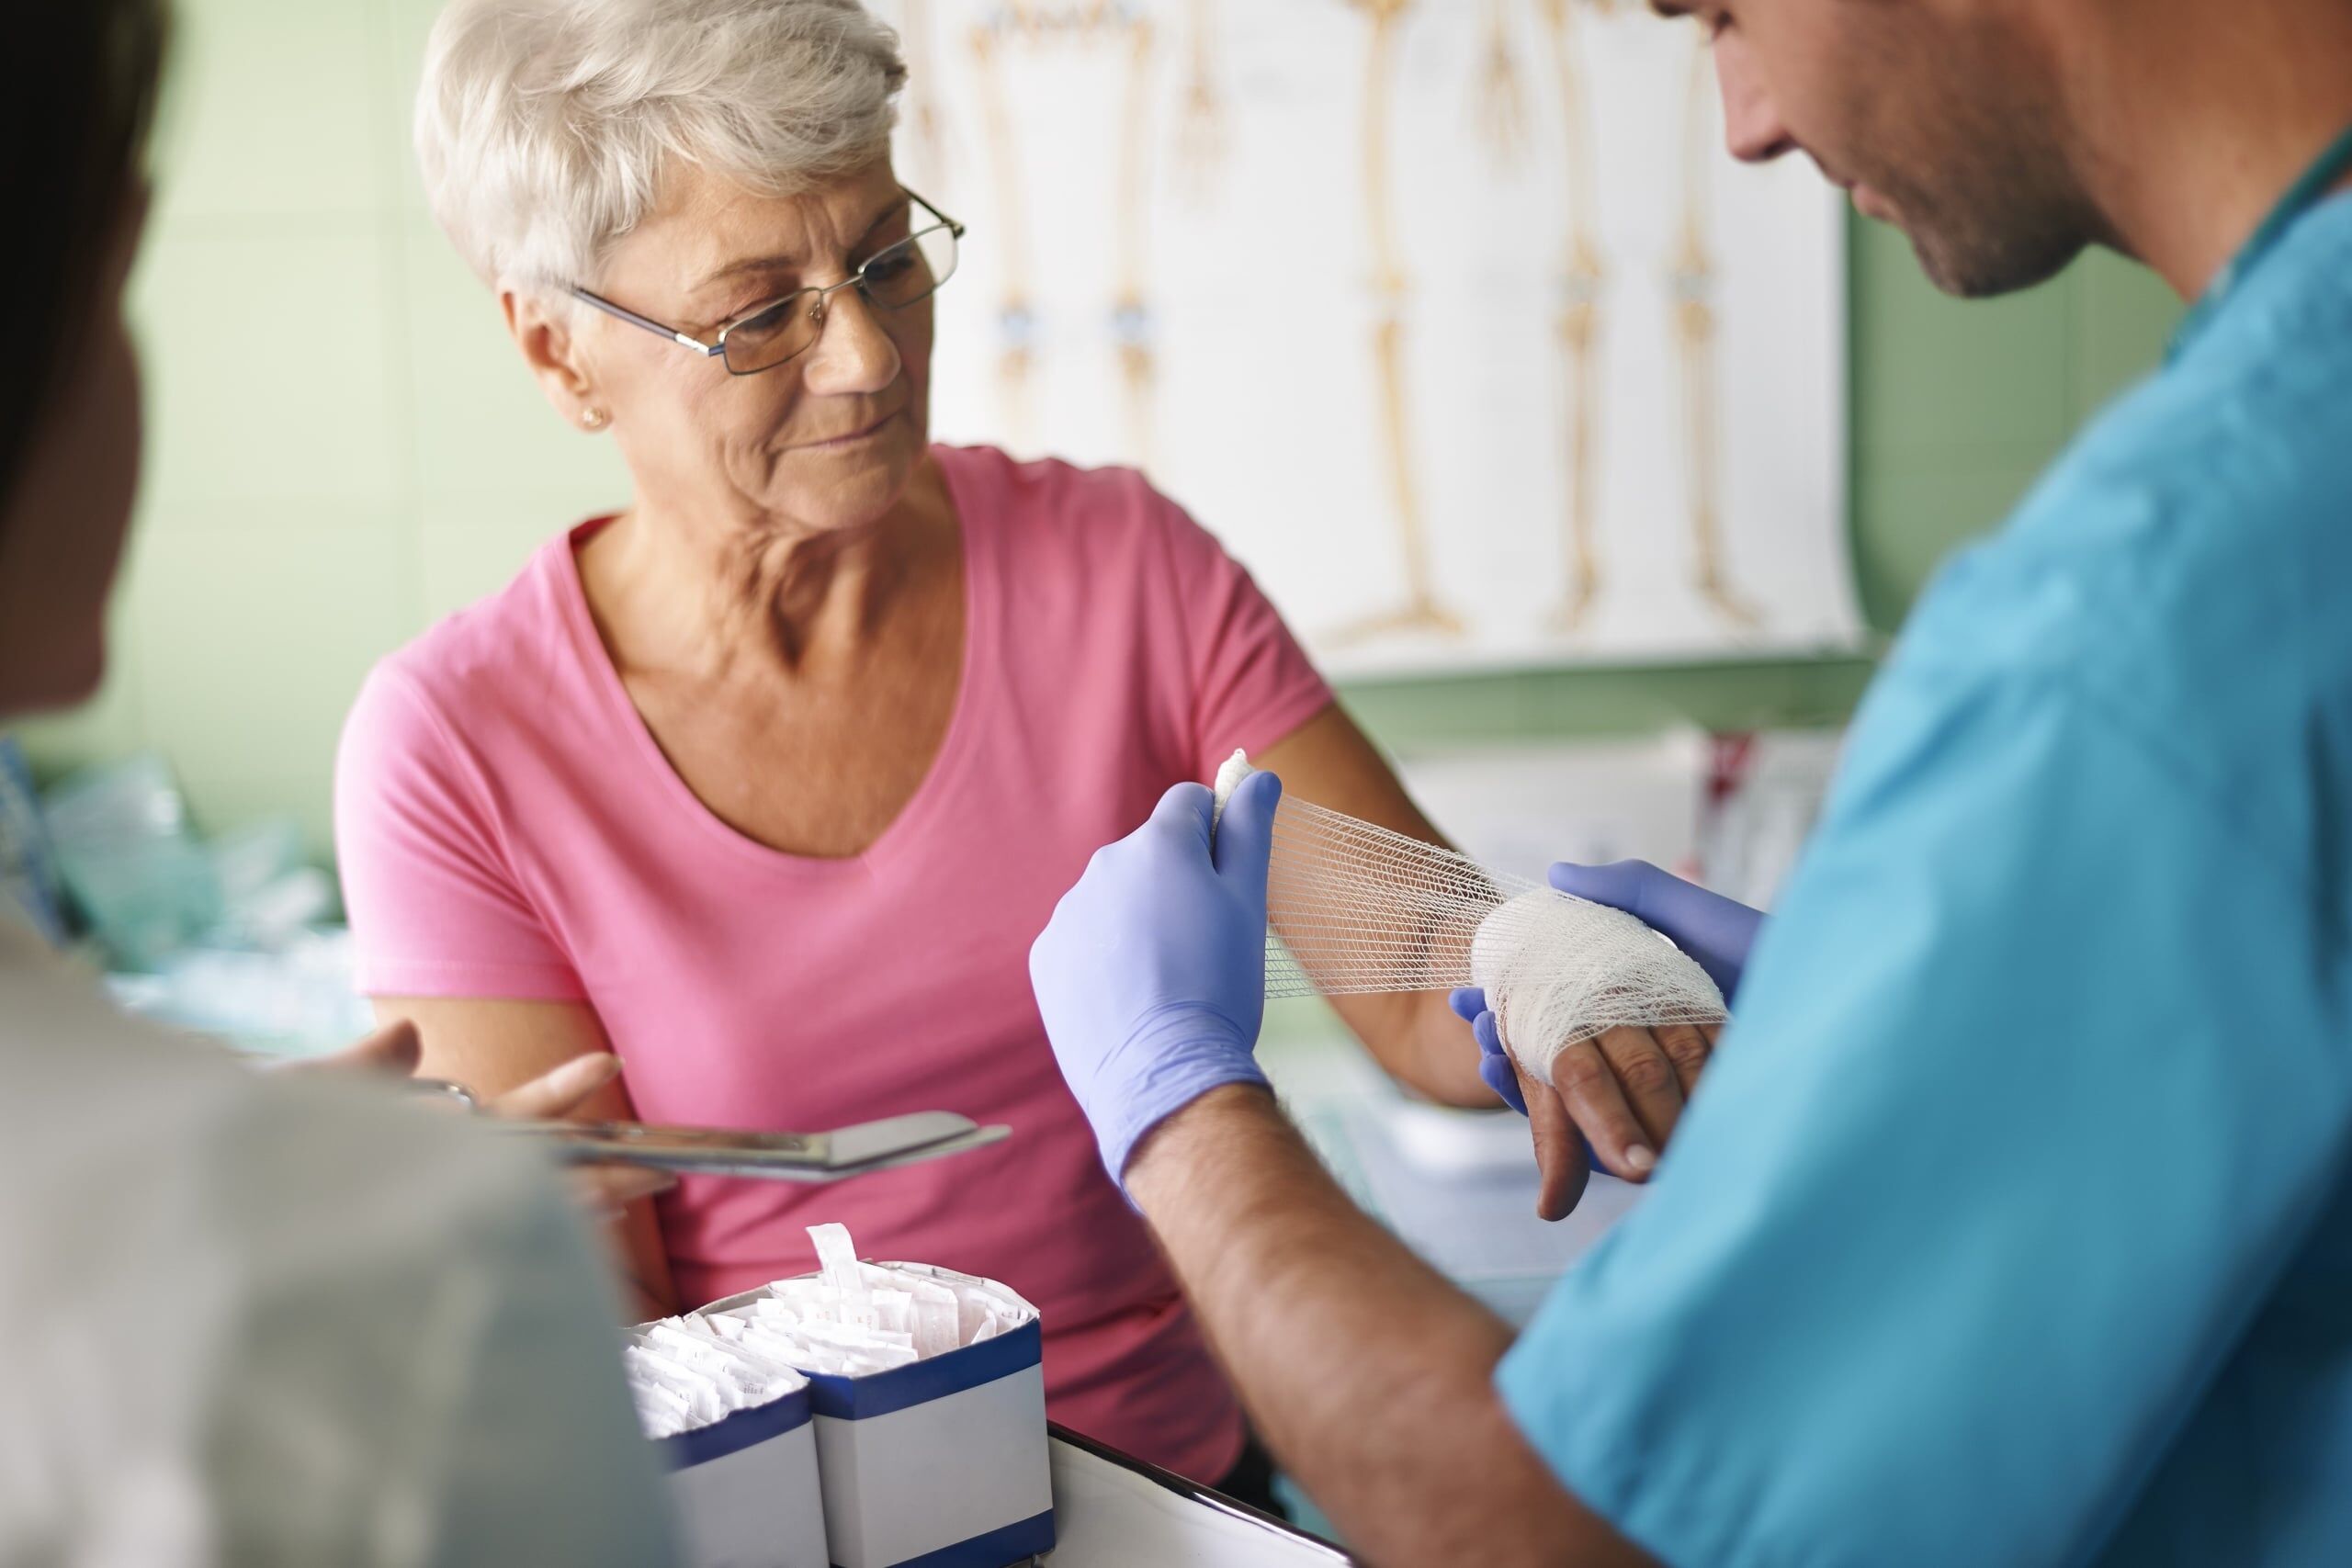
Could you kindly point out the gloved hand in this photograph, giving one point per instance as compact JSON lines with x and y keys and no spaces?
{"x":1495,"y":1064}
{"x":1715,"y":931}
{"x":1625,"y":1103}
{"x":1151,"y":975}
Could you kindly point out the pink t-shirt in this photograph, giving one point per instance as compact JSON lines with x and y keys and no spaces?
{"x":507,"y":827}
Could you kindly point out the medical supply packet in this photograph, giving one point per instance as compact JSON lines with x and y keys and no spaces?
{"x":929,"y":1398}
{"x":737,"y":1430}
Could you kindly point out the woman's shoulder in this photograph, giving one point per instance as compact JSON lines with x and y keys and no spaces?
{"x":1043,"y":513}
{"x":509,"y":645}
{"x":478,"y":675}
{"x":1052,"y":495}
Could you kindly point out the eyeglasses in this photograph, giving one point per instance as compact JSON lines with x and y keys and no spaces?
{"x":761,"y":339}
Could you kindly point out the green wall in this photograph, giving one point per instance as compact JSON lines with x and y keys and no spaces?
{"x":342,"y":445}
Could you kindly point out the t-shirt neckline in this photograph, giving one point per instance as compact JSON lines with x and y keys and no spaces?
{"x":643,"y":752}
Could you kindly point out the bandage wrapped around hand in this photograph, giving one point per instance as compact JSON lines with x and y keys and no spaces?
{"x":1357,"y":908}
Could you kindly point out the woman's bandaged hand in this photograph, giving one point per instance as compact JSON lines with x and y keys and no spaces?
{"x":1618,"y":1097}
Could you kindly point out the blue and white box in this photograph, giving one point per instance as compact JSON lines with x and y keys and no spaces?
{"x":939,"y":1464}
{"x":746,"y":1490}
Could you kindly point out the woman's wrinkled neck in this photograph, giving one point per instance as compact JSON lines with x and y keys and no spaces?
{"x":708,"y":592}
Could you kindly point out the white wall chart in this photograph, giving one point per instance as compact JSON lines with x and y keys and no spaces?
{"x":1451,"y":318}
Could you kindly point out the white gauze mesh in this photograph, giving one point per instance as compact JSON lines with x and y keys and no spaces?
{"x":1355,"y":908}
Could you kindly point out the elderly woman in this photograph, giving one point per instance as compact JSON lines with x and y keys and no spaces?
{"x":768,"y":781}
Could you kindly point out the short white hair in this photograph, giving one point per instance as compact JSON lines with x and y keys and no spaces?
{"x":545,"y":128}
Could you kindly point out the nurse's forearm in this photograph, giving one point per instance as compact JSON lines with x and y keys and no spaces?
{"x":1370,"y":1376}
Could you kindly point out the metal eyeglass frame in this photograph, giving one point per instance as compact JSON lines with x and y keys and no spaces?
{"x":816,"y":298}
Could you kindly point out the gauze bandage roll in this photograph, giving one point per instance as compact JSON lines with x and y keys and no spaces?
{"x":854,"y":1319}
{"x":1354,"y":908}
{"x":685,"y":1377}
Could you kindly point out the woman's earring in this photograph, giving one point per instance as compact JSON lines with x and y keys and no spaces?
{"x":595,"y":419}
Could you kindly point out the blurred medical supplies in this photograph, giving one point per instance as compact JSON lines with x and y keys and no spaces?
{"x":150,"y":886}
{"x":929,"y":1399}
{"x":1730,"y":811}
{"x":230,"y":936}
{"x":132,"y":863}
{"x":270,"y":893}
{"x":1763,"y":791}
{"x":1449,"y":1141}
{"x":29,"y":879}
{"x":1519,"y":807}
{"x":845,"y":1152}
{"x":1355,"y":907}
{"x":290,"y":1001}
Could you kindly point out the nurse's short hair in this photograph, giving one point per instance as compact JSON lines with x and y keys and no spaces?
{"x":545,"y":128}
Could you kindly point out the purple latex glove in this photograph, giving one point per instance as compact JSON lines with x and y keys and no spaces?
{"x":1494,"y":1066}
{"x":1715,"y":931}
{"x":1151,"y":975}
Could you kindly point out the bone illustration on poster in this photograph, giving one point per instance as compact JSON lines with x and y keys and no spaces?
{"x":1203,"y":132}
{"x":918,"y":111}
{"x":1690,"y":280}
{"x":1391,"y":288}
{"x":1498,"y":97}
{"x":1577,"y":325}
{"x":1131,"y":317}
{"x":999,"y":40}
{"x":1450,"y":319}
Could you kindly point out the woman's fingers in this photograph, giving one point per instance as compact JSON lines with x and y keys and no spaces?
{"x":1688,"y":1046}
{"x":606,"y":1189}
{"x":1588,"y":1087}
{"x":1647,"y":1074}
{"x":1560,"y":1163}
{"x":558,"y":1092}
{"x":1626,"y":1090}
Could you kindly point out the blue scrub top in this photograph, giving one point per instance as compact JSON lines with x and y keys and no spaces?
{"x":2013,"y":1223}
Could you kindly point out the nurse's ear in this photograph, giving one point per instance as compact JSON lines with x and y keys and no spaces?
{"x":543,"y":328}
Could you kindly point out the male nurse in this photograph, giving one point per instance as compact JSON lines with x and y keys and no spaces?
{"x":2013,"y":1223}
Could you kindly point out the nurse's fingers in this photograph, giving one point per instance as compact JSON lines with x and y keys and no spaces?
{"x":558,"y":1092}
{"x":1245,"y":835}
{"x":1560,"y":1162}
{"x":1588,"y":1087}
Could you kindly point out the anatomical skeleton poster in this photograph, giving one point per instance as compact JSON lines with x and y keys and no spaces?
{"x":1453,"y":319}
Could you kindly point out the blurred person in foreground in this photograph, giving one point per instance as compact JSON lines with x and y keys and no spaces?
{"x":243,"y":1319}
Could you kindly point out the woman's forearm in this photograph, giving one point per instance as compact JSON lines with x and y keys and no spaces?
{"x":643,"y":1262}
{"x":1413,"y":1035}
{"x":491,"y":1045}
{"x":1420,"y":1042}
